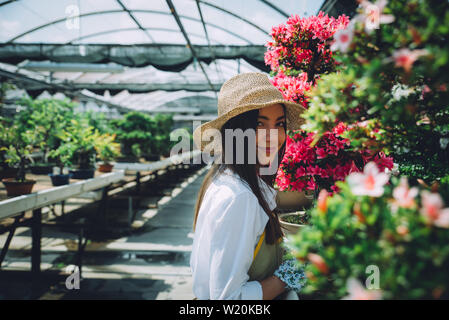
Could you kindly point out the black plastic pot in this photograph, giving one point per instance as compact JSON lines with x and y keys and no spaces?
{"x":60,"y":179}
{"x":82,"y":173}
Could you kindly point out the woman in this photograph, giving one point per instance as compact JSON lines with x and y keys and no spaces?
{"x":237,"y":252}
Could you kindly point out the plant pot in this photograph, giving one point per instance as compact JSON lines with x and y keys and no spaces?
{"x":290,"y":228}
{"x":16,"y":188}
{"x":105,"y":167}
{"x":8,"y":172}
{"x":294,"y":200}
{"x":82,"y":173}
{"x":60,"y":179}
{"x":42,"y":168}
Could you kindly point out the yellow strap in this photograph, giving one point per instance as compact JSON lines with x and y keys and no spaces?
{"x":259,"y":244}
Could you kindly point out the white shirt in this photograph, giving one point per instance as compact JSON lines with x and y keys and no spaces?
{"x":229,"y":224}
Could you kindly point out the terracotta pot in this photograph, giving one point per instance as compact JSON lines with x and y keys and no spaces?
{"x":16,"y":188}
{"x":105,"y":167}
{"x":293,"y":200}
{"x":290,"y":228}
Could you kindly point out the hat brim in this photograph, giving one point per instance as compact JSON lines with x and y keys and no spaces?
{"x":293,"y":114}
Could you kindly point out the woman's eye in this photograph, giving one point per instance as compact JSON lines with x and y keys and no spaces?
{"x":281,"y":124}
{"x":259,"y":123}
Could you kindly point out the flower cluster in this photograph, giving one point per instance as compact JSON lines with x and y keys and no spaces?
{"x":303,"y":44}
{"x":293,"y":88}
{"x":309,"y":166}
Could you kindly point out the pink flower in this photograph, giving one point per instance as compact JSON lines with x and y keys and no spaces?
{"x":358,"y":292}
{"x":432,"y":209}
{"x":405,"y":58}
{"x":343,"y":39}
{"x":371,"y":182}
{"x":372,"y":15}
{"x":403,"y":195}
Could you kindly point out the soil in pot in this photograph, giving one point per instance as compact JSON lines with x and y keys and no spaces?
{"x":292,"y":222}
{"x":16,"y":188}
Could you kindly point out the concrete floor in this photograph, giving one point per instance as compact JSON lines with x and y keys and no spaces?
{"x":149,"y":262}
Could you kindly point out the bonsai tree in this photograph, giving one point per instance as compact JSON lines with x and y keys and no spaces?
{"x":136,"y":132}
{"x":107,"y":149}
{"x":19,"y":146}
{"x":63,"y":155}
{"x":84,"y":140}
{"x":46,"y":117}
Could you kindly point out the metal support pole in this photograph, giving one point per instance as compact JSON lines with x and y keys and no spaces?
{"x":36,"y":233}
{"x":138,"y":182}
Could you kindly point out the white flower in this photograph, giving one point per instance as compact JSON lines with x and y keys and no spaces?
{"x":370,"y":183}
{"x":358,"y":292}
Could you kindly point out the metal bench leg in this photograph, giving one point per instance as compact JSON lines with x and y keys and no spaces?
{"x":36,"y":233}
{"x":8,"y":240}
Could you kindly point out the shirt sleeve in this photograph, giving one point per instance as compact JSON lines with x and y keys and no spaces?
{"x":234,"y":235}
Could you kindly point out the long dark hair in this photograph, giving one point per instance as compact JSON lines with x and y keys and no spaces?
{"x":246,"y":171}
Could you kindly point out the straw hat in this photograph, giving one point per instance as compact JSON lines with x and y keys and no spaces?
{"x":241,"y":93}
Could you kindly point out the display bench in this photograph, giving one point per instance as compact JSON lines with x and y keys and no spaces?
{"x":124,"y":176}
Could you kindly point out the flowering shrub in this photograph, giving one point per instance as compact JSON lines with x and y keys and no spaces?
{"x":376,"y":238}
{"x":299,"y":53}
{"x":301,"y":45}
{"x":393,"y":77}
{"x":307,"y":168}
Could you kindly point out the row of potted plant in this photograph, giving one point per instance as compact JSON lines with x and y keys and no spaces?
{"x":73,"y":141}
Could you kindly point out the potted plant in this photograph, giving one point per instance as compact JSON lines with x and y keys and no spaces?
{"x":107,"y":151}
{"x":17,"y":152}
{"x":292,"y":222}
{"x":63,"y":156}
{"x":6,"y":170}
{"x":136,"y":132}
{"x":84,"y":139}
{"x":377,"y":238}
{"x":46,"y":117}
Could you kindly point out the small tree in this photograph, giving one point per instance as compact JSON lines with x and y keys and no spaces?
{"x":46,"y":117}
{"x":19,"y":147}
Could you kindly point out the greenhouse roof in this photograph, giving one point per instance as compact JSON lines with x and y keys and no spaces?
{"x":139,"y":46}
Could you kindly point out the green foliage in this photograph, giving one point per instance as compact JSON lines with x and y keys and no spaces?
{"x":355,"y":232}
{"x":142,"y":134}
{"x":106,"y":148}
{"x":17,"y":145}
{"x":46,"y":117}
{"x":82,"y":140}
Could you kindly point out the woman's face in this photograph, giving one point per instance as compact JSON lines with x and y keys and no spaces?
{"x":270,"y":118}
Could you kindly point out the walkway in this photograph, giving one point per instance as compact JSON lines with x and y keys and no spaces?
{"x":150,"y":263}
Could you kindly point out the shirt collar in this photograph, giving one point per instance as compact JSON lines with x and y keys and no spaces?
{"x":268,"y":191}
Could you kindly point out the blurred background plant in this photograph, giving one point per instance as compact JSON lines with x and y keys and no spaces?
{"x":400,"y":230}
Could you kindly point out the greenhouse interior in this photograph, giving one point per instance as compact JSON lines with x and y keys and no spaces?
{"x":104,"y":109}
